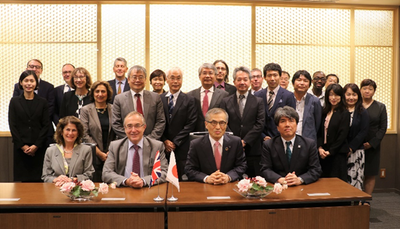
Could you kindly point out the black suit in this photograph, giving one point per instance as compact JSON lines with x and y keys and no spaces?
{"x":201,"y":162}
{"x":304,"y":161}
{"x":230,"y":89}
{"x":59,"y":95}
{"x":248,"y":128}
{"x":69,"y":104}
{"x":178,"y":127}
{"x":29,"y":123}
{"x":114,"y":88}
{"x":335,"y":165}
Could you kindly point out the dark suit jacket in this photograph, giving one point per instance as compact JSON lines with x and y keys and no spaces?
{"x":201,"y":163}
{"x":217,"y":96}
{"x":115,"y":91}
{"x":182,"y":122}
{"x":248,"y":127}
{"x":69,"y":104}
{"x":230,"y":88}
{"x":114,"y":167}
{"x":304,"y":161}
{"x":282,"y":98}
{"x":152,"y":109}
{"x":358,"y":130}
{"x":58,"y":97}
{"x":311,"y":117}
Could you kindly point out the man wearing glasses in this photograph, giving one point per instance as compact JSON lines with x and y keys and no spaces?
{"x":60,"y":90}
{"x":318,"y":82}
{"x":137,"y":99}
{"x":216,"y":158}
{"x":130,"y":160}
{"x":45,"y":90}
{"x":256,"y":80}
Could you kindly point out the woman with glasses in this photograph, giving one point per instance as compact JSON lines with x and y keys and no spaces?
{"x":73,"y":101}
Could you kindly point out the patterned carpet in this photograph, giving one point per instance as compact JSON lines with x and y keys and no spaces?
{"x":385,"y":211}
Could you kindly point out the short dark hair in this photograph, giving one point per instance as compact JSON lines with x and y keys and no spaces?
{"x":226,"y":79}
{"x":338,"y":90}
{"x":368,"y":82}
{"x":83,"y":71}
{"x":25,"y":74}
{"x":105,"y":84}
{"x":272,"y":67}
{"x":287,"y":112}
{"x":287,"y":73}
{"x":299,"y":73}
{"x":157,"y":73}
{"x":58,"y":137}
{"x":337,"y":77}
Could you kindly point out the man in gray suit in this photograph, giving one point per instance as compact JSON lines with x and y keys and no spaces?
{"x":130,"y":160}
{"x":207,"y":96}
{"x":145,"y":102}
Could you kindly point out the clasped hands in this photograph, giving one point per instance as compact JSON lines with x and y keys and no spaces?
{"x":169,"y":146}
{"x":217,"y":177}
{"x":290,"y":179}
{"x":134,"y":181}
{"x":30,"y":150}
{"x":322,"y":153}
{"x":62,"y":179}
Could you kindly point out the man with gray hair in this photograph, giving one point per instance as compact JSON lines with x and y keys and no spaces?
{"x":289,"y":158}
{"x":181,"y":116}
{"x":216,"y":158}
{"x":207,"y":96}
{"x":130,"y":160}
{"x":246,"y":118}
{"x":120,"y":83}
{"x":137,"y":99}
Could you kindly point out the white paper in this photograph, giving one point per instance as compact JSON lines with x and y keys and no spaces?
{"x":9,"y":199}
{"x":112,"y":199}
{"x":319,"y":194}
{"x":218,"y":197}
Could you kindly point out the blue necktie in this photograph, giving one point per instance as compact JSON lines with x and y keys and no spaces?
{"x":171,"y":105}
{"x":288,"y":151}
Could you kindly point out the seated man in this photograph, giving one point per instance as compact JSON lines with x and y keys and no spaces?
{"x":289,"y":157}
{"x":130,"y":160}
{"x":216,"y":158}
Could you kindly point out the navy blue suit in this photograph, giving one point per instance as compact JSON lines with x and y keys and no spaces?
{"x":178,"y":127}
{"x":201,"y":162}
{"x":282,"y":98}
{"x":115,"y":91}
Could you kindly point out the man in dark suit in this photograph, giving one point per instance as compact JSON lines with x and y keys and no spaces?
{"x":145,"y":102}
{"x":120,"y":83}
{"x":289,"y":158}
{"x":274,"y":97}
{"x":207,"y":96}
{"x":181,"y":116}
{"x":222,"y":77}
{"x":216,"y":158}
{"x":60,"y":90}
{"x":45,"y":90}
{"x":130,"y":160}
{"x":246,"y":118}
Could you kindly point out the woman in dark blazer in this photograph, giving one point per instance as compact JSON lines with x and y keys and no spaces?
{"x":359,"y":124}
{"x":69,"y":159}
{"x":377,"y":129}
{"x":73,"y":101}
{"x":96,"y":120}
{"x":28,"y":117}
{"x":332,"y":137}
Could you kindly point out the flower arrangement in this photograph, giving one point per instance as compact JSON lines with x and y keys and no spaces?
{"x":257,"y":187}
{"x":84,"y":190}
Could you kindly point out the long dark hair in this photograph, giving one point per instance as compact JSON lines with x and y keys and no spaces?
{"x":358,"y":108}
{"x":338,"y":90}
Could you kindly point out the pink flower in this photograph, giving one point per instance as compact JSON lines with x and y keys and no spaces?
{"x":278,"y":188}
{"x":67,"y":187}
{"x":261,"y":181}
{"x":103,"y":188}
{"x":87,"y":185}
{"x":244,"y":185}
{"x":113,"y":185}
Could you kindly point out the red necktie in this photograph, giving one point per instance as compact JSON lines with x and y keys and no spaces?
{"x":205,"y":103}
{"x":138,"y":104}
{"x":217,"y":155}
{"x":136,"y":161}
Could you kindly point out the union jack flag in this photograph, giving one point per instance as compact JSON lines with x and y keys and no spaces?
{"x":156,"y":173}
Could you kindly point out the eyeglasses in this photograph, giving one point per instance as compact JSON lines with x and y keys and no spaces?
{"x":35,"y":66}
{"x":137,"y":78}
{"x":221,"y":68}
{"x":214,"y":123}
{"x":66,"y":72}
{"x":256,"y":76}
{"x":79,"y":77}
{"x":131,"y":126}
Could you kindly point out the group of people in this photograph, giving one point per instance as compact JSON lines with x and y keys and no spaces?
{"x":245,"y":130}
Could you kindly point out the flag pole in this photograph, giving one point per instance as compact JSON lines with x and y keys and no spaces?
{"x":158,"y":198}
{"x":172,"y":198}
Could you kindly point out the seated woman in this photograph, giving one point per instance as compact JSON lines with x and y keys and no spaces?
{"x":68,"y":160}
